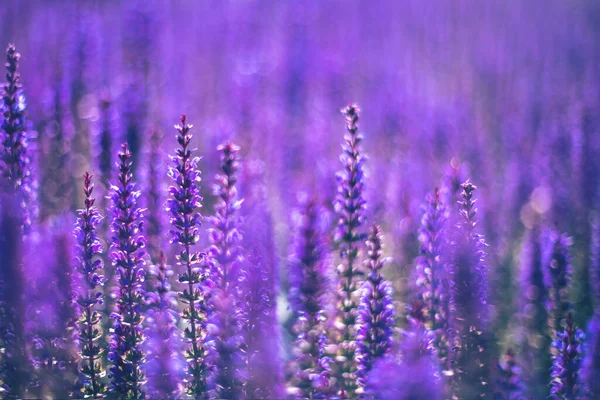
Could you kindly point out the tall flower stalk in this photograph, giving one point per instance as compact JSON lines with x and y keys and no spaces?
{"x":15,"y":163}
{"x":127,"y":255}
{"x":535,"y":338}
{"x":591,"y":363}
{"x":566,"y":362}
{"x":432,"y":279}
{"x":308,"y":286}
{"x":468,"y":295}
{"x":226,"y":317}
{"x":350,"y":207}
{"x":509,"y":385}
{"x":557,"y":277}
{"x":162,"y":337}
{"x":89,"y":266}
{"x":185,"y":223}
{"x":376,"y":309}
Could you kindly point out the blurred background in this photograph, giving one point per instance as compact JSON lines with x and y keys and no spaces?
{"x":506,"y":93}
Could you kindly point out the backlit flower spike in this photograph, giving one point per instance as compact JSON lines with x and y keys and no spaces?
{"x":375,"y":311}
{"x":350,"y":210}
{"x":566,"y":363}
{"x":90,"y":298}
{"x":15,"y":157}
{"x":163,"y":340}
{"x":183,"y":206}
{"x":468,"y":303}
{"x":308,"y":285}
{"x":128,"y":258}
{"x":432,"y":277}
{"x":509,"y":385}
{"x":557,"y":277}
{"x":226,"y":314}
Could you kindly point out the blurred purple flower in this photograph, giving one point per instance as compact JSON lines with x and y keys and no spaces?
{"x":375,"y":311}
{"x":128,"y":256}
{"x":534,"y":333}
{"x":432,"y":279}
{"x":413,"y":377}
{"x":350,"y":207}
{"x":308,"y":286}
{"x":468,"y":303}
{"x":163,"y":341}
{"x":225,"y":316}
{"x":14,"y":369}
{"x":185,"y":222}
{"x":509,"y":385}
{"x":557,"y":278}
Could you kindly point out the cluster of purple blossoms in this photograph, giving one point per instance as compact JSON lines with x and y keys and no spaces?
{"x":566,"y":363}
{"x":432,"y":279}
{"x":128,"y":257}
{"x":185,"y":222}
{"x":350,"y":209}
{"x":15,"y":159}
{"x":468,"y":303}
{"x":162,"y":344}
{"x":90,"y":297}
{"x":308,"y":285}
{"x":225,"y":312}
{"x":376,"y":309}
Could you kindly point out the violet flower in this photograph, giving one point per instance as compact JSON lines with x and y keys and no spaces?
{"x":226,"y":319}
{"x":154,"y":197}
{"x":535,"y":339}
{"x":432,"y":278}
{"x":468,"y":302}
{"x":566,"y":362}
{"x":412,"y":377}
{"x":308,"y":286}
{"x":14,"y":373}
{"x":350,"y":207}
{"x":162,"y":338}
{"x":557,"y":277}
{"x":509,"y":385}
{"x":591,"y":362}
{"x":259,"y":278}
{"x":185,"y":222}
{"x":15,"y":164}
{"x":375,"y":311}
{"x":127,"y":254}
{"x":89,"y":265}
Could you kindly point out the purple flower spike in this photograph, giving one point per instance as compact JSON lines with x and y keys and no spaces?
{"x":535,"y":336}
{"x":567,"y":362}
{"x":509,"y":385}
{"x":185,"y":222}
{"x":350,"y":207}
{"x":591,"y":364}
{"x":226,"y":318}
{"x":162,"y":337}
{"x":15,"y":163}
{"x":154,"y":197}
{"x":308,"y":286}
{"x":127,"y":255}
{"x":376,"y":310}
{"x":432,"y":278}
{"x":468,"y":303}
{"x":557,"y":277}
{"x":412,"y":378}
{"x":89,"y":298}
